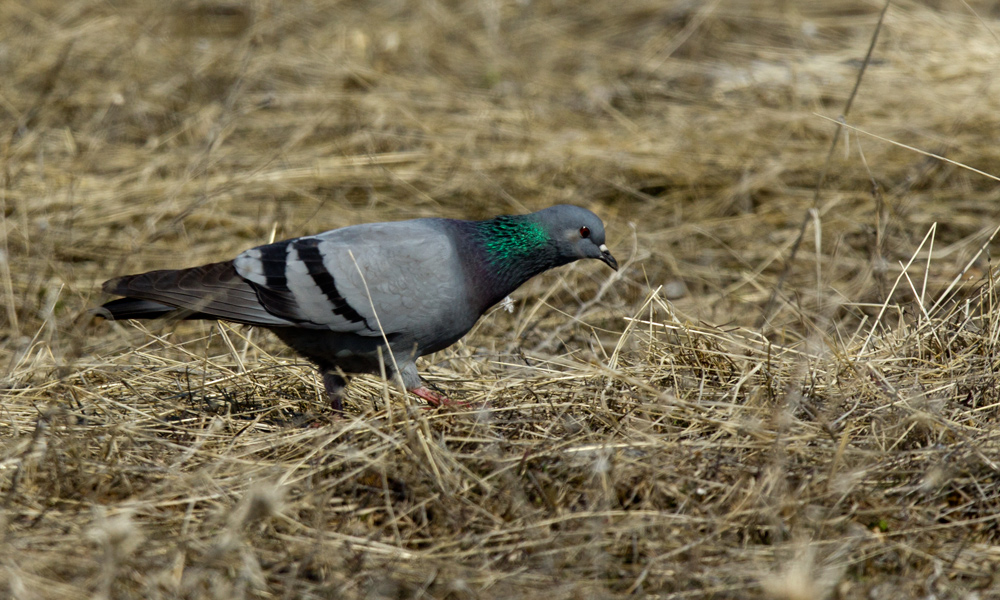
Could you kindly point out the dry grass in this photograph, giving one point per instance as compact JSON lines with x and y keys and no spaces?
{"x":658,"y":433}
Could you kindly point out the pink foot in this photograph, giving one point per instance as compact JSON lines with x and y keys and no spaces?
{"x":436,"y":399}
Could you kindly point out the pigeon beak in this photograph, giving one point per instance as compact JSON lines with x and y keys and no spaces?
{"x":606,"y":257}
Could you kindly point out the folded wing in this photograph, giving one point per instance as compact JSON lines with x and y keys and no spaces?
{"x":401,"y":279}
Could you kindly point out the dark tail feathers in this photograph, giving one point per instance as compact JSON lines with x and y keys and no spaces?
{"x":213,"y":291}
{"x":131,"y":308}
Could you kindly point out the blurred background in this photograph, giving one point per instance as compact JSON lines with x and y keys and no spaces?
{"x":141,"y":135}
{"x":147,"y":135}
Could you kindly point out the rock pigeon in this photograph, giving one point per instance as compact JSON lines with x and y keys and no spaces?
{"x":342,"y":297}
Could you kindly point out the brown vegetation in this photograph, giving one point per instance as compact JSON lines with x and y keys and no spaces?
{"x":664,"y":432}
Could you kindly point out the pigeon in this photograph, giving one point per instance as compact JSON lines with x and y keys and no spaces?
{"x":353,"y":299}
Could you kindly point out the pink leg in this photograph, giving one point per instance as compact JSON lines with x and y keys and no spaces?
{"x":434,"y":398}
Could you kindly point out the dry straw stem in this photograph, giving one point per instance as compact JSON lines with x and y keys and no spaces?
{"x":632,"y":435}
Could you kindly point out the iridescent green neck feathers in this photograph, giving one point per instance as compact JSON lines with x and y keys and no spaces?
{"x":510,"y":238}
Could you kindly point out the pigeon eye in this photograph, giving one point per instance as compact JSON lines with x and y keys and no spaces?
{"x":585,"y":232}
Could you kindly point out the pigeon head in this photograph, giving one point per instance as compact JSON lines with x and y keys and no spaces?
{"x":574,"y":233}
{"x":515,"y":248}
{"x":545,"y":239}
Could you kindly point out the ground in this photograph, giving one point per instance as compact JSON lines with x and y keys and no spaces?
{"x":788,"y":391}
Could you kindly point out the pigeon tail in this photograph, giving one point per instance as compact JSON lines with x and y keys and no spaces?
{"x":132,"y":308}
{"x":213,"y":291}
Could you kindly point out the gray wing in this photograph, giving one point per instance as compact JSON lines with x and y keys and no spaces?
{"x":405,"y":277}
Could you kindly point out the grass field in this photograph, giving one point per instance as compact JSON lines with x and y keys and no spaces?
{"x":789,"y":390}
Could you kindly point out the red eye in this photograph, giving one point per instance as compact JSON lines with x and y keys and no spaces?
{"x":585,"y":232}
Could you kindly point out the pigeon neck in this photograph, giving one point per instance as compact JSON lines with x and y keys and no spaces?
{"x":511,"y":250}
